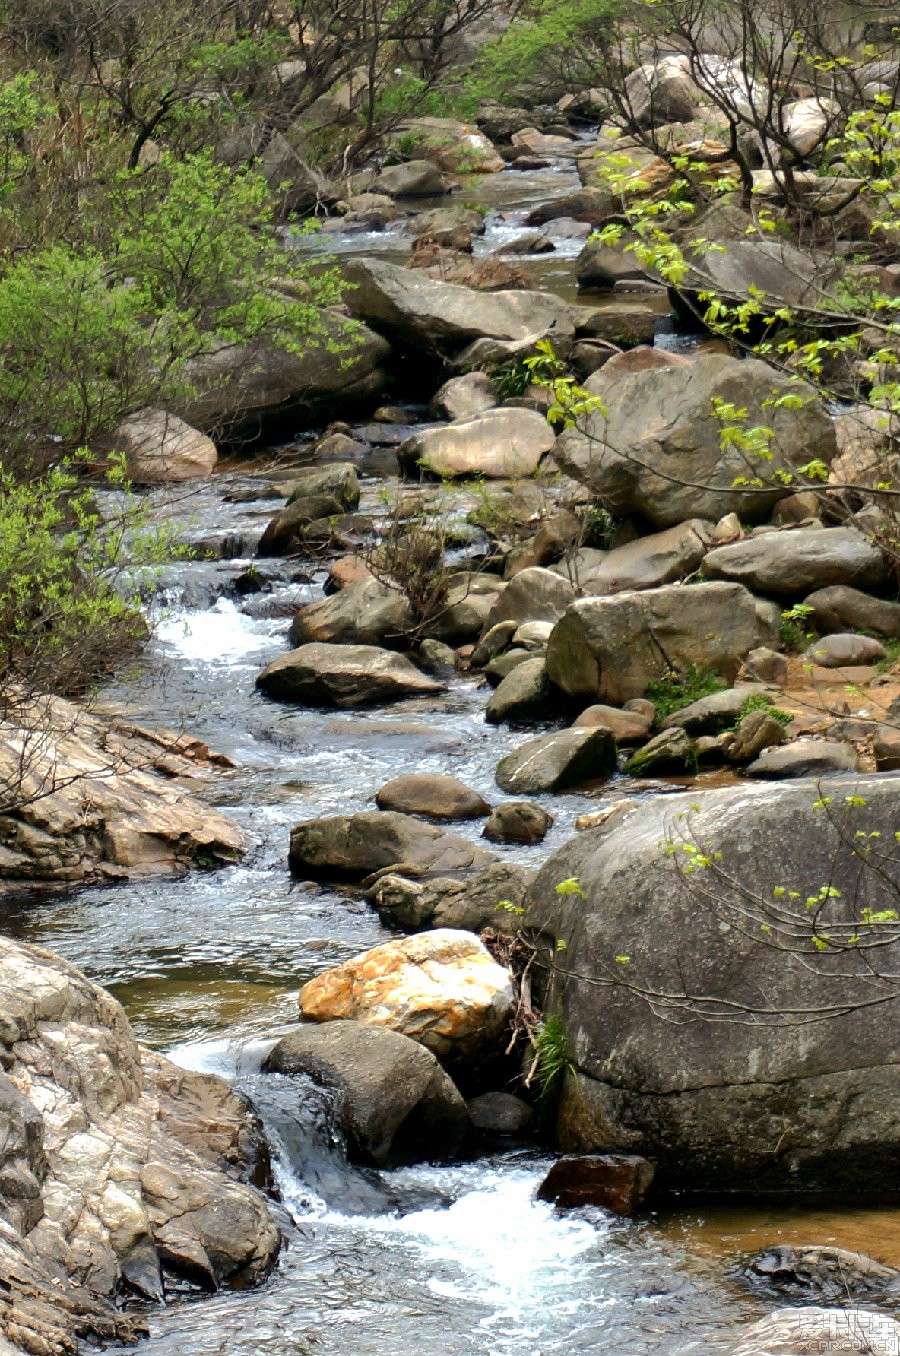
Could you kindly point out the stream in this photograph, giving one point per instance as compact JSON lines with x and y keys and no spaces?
{"x":452,"y":1259}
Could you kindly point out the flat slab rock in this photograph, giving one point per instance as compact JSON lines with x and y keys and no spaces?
{"x":441,"y":988}
{"x":114,"y":808}
{"x":134,"y":1165}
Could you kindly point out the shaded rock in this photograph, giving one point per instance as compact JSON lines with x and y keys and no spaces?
{"x":285,"y":532}
{"x":499,"y":1115}
{"x":648,"y":562}
{"x":788,"y":276}
{"x":494,"y":642}
{"x":99,"y":797}
{"x":160,"y":448}
{"x":659,"y":439}
{"x":437,"y":658}
{"x":411,"y":179}
{"x":517,"y":821}
{"x":444,"y":902}
{"x":396,"y":1104}
{"x":716,"y":712}
{"x":441,"y":988}
{"x":447,"y":317}
{"x":498,"y":443}
{"x":533,"y":635}
{"x":351,"y":847}
{"x":522,"y":695}
{"x":464,"y":397}
{"x":839,"y":650}
{"x":841,"y":608}
{"x":591,"y":205}
{"x":243,"y":387}
{"x":452,"y":227}
{"x":669,"y":751}
{"x":467,"y":605}
{"x":628,"y":727}
{"x":344,"y":676}
{"x":422,"y":793}
{"x":703,"y":1107}
{"x":824,"y":1274}
{"x":763,"y":665}
{"x":534,"y":594}
{"x":617,"y":1182}
{"x":504,"y":664}
{"x":756,"y":732}
{"x":625,"y":323}
{"x":23,"y":1163}
{"x":553,"y":762}
{"x":662,"y":92}
{"x":609,"y":649}
{"x":886,"y":747}
{"x":364,"y":612}
{"x":789,"y":1332}
{"x":805,"y":758}
{"x":338,"y":480}
{"x":799,"y":561}
{"x":601,"y":266}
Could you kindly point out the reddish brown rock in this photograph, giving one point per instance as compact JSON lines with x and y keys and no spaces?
{"x":617,"y":1182}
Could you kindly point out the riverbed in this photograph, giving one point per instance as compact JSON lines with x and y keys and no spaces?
{"x":453,"y":1259}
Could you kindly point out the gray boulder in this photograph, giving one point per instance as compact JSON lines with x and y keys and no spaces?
{"x":351,"y":847}
{"x":657,"y":450}
{"x":671,"y":751}
{"x":241,"y":387}
{"x":344,"y":676}
{"x":799,"y":560}
{"x":647,"y":563}
{"x":491,"y":898}
{"x":411,"y":179}
{"x":805,"y":758}
{"x":716,"y":712}
{"x":464,"y":397}
{"x":498,"y":443}
{"x":840,"y":650}
{"x":285,"y":532}
{"x":395,"y":1102}
{"x":339,"y":479}
{"x":517,"y":821}
{"x":447,"y":317}
{"x":757,"y":731}
{"x":436,"y":797}
{"x":745,"y":980}
{"x":522,"y":695}
{"x":609,"y":649}
{"x":553,"y":762}
{"x":662,"y":92}
{"x":534,"y":594}
{"x":366,"y":612}
{"x":842,"y":608}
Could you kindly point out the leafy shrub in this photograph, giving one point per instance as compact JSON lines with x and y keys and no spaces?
{"x":674,"y":691}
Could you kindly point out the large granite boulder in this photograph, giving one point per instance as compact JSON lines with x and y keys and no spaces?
{"x":656,"y":448}
{"x":119,"y":1171}
{"x":440,"y":988}
{"x":557,"y":761}
{"x":608,"y":649}
{"x":726,"y":987}
{"x":395,"y":1102}
{"x":320,"y":674}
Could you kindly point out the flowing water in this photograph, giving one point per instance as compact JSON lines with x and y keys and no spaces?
{"x":448,"y":1260}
